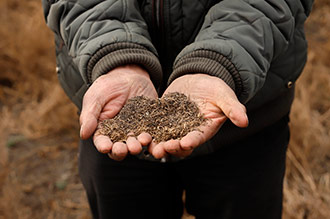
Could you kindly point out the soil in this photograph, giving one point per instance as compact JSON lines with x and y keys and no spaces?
{"x":170,"y":117}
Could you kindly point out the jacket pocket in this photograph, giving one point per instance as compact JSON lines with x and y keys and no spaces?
{"x":68,"y":74}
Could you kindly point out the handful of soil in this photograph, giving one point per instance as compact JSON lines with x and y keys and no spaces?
{"x":170,"y":117}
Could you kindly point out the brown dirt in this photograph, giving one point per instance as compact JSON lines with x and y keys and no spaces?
{"x":38,"y":124}
{"x":170,"y":117}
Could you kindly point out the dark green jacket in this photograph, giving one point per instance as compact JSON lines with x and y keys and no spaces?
{"x":257,"y":47}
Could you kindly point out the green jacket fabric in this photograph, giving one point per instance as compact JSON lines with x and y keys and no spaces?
{"x":257,"y":47}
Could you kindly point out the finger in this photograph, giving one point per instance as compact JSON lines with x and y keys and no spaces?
{"x":144,"y":138}
{"x":133,"y":145}
{"x":234,"y":110}
{"x":238,"y":116}
{"x":89,"y":118}
{"x":119,"y":151}
{"x":192,"y":140}
{"x":157,"y":150}
{"x":172,"y":146}
{"x":102,"y":143}
{"x":183,"y":153}
{"x":88,"y":126}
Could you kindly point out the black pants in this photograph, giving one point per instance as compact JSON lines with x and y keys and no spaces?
{"x":240,"y":181}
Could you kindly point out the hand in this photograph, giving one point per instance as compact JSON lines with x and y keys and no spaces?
{"x":104,"y":99}
{"x":216,"y":100}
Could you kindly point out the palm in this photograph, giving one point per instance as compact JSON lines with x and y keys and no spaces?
{"x":216,"y":101}
{"x":198,"y":89}
{"x":119,"y":89}
{"x":105,"y":98}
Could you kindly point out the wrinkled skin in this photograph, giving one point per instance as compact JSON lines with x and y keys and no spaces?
{"x":216,"y":100}
{"x":109,"y":93}
{"x":104,"y":99}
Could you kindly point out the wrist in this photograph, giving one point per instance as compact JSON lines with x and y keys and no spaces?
{"x":121,"y":54}
{"x":211,"y":63}
{"x":131,"y":69}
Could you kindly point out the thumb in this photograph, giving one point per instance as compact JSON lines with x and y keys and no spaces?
{"x":89,"y":118}
{"x":235,"y":111}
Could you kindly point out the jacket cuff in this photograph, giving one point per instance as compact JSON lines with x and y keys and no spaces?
{"x":208,"y":62}
{"x":119,"y":54}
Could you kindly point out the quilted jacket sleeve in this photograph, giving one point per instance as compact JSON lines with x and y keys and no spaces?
{"x":101,"y":35}
{"x":238,"y":41}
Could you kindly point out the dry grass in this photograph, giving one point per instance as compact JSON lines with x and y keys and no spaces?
{"x":307,"y":182}
{"x":38,"y":124}
{"x":37,"y":141}
{"x":28,"y":72}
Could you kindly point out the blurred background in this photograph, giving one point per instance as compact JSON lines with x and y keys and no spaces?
{"x":39,"y":125}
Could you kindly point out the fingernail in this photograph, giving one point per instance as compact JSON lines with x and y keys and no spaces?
{"x":190,"y":148}
{"x":80,"y":133}
{"x":247,"y":119}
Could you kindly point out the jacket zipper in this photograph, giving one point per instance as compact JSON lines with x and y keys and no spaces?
{"x":157,"y":6}
{"x":158,"y":23}
{"x":157,"y":13}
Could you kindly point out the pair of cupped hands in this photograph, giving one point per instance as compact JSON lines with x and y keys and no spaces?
{"x":109,"y":93}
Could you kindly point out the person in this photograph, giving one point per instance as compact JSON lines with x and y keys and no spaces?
{"x":238,"y":60}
